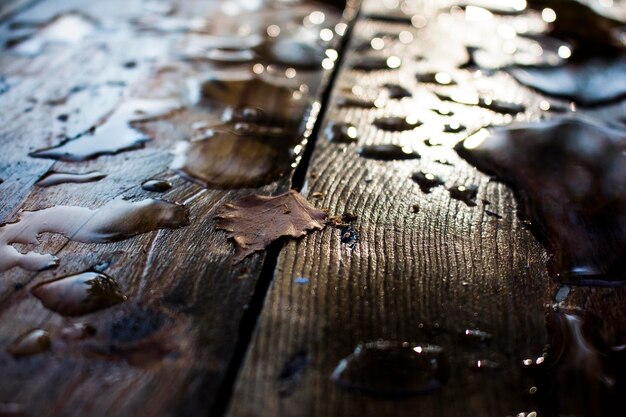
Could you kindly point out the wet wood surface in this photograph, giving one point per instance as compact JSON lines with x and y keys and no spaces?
{"x":166,"y":349}
{"x":427,"y":267}
{"x":417,"y":267}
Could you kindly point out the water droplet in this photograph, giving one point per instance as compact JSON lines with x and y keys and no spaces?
{"x":466,"y":194}
{"x":349,"y":236}
{"x":388,"y":152}
{"x":443,"y":161}
{"x":293,"y":51}
{"x":52,"y":178}
{"x":241,"y":156}
{"x":396,"y":124}
{"x":157,"y":186}
{"x":377,"y":63}
{"x":75,"y":295}
{"x":589,"y":83}
{"x":115,"y":134}
{"x":569,"y":174}
{"x":500,"y":106}
{"x":301,"y":280}
{"x":228,"y":56}
{"x":443,"y":111}
{"x":117,"y":220}
{"x":392,"y":369}
{"x":441,"y":78}
{"x":476,"y":336}
{"x":341,"y":132}
{"x":472,"y":99}
{"x":393,"y":15}
{"x":396,"y":91}
{"x":354,"y":101}
{"x":30,"y":343}
{"x":484,"y":364}
{"x":426,"y":181}
{"x":252,"y":99}
{"x":562,"y":294}
{"x":454,"y":127}
{"x":429,"y":142}
{"x":78,"y":331}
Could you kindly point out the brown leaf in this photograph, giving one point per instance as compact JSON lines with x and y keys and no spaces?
{"x":255,"y":221}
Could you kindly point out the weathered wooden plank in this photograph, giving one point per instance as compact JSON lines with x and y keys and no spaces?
{"x":164,"y":350}
{"x":418,"y":277}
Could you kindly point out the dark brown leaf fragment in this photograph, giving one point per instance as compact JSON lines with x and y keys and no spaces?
{"x":255,"y":221}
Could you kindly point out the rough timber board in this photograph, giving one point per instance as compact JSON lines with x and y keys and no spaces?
{"x":417,"y":277}
{"x":164,"y":351}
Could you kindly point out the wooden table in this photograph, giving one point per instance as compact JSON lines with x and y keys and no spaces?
{"x":198,"y":335}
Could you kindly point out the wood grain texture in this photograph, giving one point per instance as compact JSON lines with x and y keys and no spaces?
{"x":165,"y":350}
{"x":417,"y":277}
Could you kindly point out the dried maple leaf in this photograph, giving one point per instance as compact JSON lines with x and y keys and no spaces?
{"x":255,"y":221}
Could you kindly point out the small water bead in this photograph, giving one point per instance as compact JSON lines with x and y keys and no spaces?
{"x":471,"y":99}
{"x":484,"y":364}
{"x":230,"y":57}
{"x":466,"y":194}
{"x":444,"y":161}
{"x":377,"y":63}
{"x":78,"y":331}
{"x":396,"y":91}
{"x":500,"y":106}
{"x":30,"y":343}
{"x":157,"y":186}
{"x":354,"y":101}
{"x":396,"y":124}
{"x":441,"y":78}
{"x":392,"y":369}
{"x":431,"y":143}
{"x":341,"y":132}
{"x":79,"y":294}
{"x":349,"y":236}
{"x":476,"y":335}
{"x":52,"y":178}
{"x":454,"y":127}
{"x":245,"y":114}
{"x":562,"y":294}
{"x":426,"y":181}
{"x":294,"y":52}
{"x":377,"y":44}
{"x":443,"y":111}
{"x":388,"y":152}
